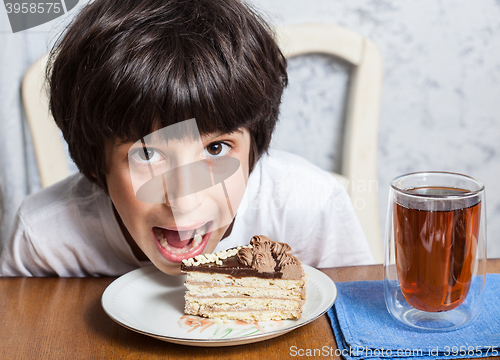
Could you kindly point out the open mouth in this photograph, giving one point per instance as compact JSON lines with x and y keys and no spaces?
{"x":178,"y":245}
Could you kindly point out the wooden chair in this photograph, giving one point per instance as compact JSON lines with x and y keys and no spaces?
{"x":359,"y":155}
{"x":50,"y":154}
{"x":359,"y":151}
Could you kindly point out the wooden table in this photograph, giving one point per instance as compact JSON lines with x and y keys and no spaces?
{"x":52,"y":318}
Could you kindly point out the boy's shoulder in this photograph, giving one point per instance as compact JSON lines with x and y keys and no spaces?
{"x":74,"y":190}
{"x":287,"y":183}
{"x":280,"y":165}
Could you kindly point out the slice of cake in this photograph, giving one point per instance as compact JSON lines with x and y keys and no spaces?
{"x":262,"y":281}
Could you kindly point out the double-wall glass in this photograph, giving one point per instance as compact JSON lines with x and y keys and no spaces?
{"x":435,"y":250}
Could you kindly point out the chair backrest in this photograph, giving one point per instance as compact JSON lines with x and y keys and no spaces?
{"x":359,"y":153}
{"x":47,"y":143}
{"x":360,"y":140}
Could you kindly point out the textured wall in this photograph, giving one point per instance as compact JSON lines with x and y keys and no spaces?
{"x":438,"y":111}
{"x":314,"y":101}
{"x":441,"y":87}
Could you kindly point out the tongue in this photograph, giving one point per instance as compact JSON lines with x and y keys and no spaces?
{"x":175,"y":238}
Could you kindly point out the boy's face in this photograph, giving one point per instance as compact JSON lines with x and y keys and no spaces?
{"x":174,"y":218}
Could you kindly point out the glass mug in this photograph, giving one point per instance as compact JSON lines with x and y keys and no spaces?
{"x":435,"y":250}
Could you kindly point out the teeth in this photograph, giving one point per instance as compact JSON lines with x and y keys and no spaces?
{"x":159,"y":233}
{"x":202,"y":230}
{"x":197,"y":239}
{"x":165,"y":245}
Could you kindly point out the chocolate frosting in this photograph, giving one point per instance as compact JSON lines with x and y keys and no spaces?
{"x":265,"y":258}
{"x":245,"y":256}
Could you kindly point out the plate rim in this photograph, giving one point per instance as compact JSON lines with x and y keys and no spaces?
{"x":145,"y":270}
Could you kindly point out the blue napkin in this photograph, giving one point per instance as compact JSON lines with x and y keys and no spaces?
{"x":364,"y":328}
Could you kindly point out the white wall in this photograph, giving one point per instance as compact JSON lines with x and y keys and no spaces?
{"x":441,"y":85}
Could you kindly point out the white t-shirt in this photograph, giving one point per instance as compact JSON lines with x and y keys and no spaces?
{"x":69,"y":229}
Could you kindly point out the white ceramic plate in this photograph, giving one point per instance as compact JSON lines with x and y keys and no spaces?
{"x":152,"y":303}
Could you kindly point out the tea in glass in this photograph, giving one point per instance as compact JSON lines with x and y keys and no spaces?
{"x":435,"y":250}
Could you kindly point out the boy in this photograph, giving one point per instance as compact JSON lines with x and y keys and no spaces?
{"x":123,"y":76}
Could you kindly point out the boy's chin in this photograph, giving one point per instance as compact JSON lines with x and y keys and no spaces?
{"x":173,"y":272}
{"x":174,"y":269}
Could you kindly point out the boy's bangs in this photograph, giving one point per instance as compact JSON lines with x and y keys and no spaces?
{"x":192,"y":84}
{"x":147,"y":117}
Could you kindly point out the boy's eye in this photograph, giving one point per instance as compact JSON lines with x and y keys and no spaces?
{"x":214,"y":149}
{"x":217,"y":149}
{"x":145,"y":155}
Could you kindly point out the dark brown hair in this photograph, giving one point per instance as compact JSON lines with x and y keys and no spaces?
{"x":124,"y":68}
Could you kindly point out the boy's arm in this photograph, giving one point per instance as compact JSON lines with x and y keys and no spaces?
{"x":19,"y":256}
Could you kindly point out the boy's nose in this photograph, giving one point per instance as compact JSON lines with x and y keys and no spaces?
{"x":178,"y":186}
{"x":182,"y":187}
{"x":185,"y":204}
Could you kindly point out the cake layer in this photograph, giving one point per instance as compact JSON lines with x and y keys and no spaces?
{"x":241,"y":303}
{"x":232,"y":291}
{"x":248,"y":315}
{"x":215,"y":279}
